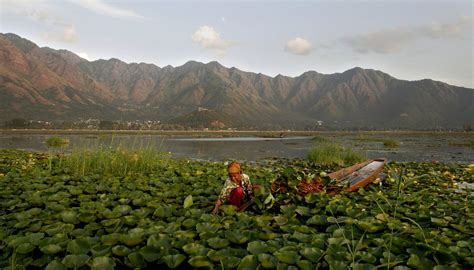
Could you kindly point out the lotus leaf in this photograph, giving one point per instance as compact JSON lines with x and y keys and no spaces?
{"x":25,"y":248}
{"x":312,"y":254}
{"x":133,"y":238}
{"x":124,"y":201}
{"x":173,"y":261}
{"x":161,"y":241}
{"x":136,"y":260}
{"x":303,"y":211}
{"x":193,"y":213}
{"x":236,"y":237}
{"x":208,"y":217}
{"x":201,"y":261}
{"x":370,"y":225}
{"x":218,"y":243}
{"x":228,"y":209}
{"x":142,"y":212}
{"x":336,"y":264}
{"x":267,"y":260}
{"x":230,"y":261}
{"x":121,"y":250}
{"x":78,"y":246}
{"x":139,"y":202}
{"x":366,"y":256}
{"x":150,"y":254}
{"x":257,"y":247}
{"x":248,"y":262}
{"x":102,"y":263}
{"x":122,"y":209}
{"x":283,"y":266}
{"x":86,"y":217}
{"x":184,"y":234}
{"x":420,"y":262}
{"x":110,"y":239}
{"x":69,"y":216}
{"x":109,"y":214}
{"x":172,"y":227}
{"x":75,"y":261}
{"x":164,"y":211}
{"x":194,"y":249}
{"x":216,"y":256}
{"x":53,"y":229}
{"x":22,"y":224}
{"x":55,"y":265}
{"x":189,"y":223}
{"x":267,"y":235}
{"x":319,"y":220}
{"x":287,"y":256}
{"x":92,"y":226}
{"x":301,"y":237}
{"x":35,"y":238}
{"x":100,"y":250}
{"x":207,"y":227}
{"x":363,"y":266}
{"x":188,"y":202}
{"x":42,"y":261}
{"x":280,"y":220}
{"x":51,"y":249}
{"x":305,"y":265}
{"x":36,"y":226}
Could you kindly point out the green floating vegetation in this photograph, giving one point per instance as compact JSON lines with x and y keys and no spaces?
{"x":116,"y":159}
{"x":319,"y":139}
{"x":467,"y":143}
{"x":328,"y":153}
{"x":57,"y":142}
{"x":417,"y":217}
{"x":391,"y":143}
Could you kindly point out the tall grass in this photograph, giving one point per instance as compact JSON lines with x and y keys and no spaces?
{"x":330,"y":153}
{"x":117,"y":159}
{"x":391,"y":143}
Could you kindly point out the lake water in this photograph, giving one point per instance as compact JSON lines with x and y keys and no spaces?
{"x":446,"y":148}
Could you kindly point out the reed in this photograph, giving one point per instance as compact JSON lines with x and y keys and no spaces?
{"x":391,"y":143}
{"x":334,"y":154}
{"x":117,"y":159}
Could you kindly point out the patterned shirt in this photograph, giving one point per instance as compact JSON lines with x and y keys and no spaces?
{"x":229,"y":186}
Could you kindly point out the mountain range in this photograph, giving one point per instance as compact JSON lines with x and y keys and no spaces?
{"x":47,"y":84}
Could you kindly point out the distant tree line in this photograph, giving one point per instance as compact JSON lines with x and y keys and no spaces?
{"x":96,"y":124}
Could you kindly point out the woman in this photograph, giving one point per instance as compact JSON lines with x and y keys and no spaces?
{"x":237,"y":189}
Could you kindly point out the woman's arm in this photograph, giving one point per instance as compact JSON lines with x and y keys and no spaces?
{"x":216,"y":206}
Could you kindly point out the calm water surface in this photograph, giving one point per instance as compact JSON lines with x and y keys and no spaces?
{"x":446,"y":148}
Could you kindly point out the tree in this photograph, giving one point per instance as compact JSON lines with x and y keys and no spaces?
{"x":17,"y":123}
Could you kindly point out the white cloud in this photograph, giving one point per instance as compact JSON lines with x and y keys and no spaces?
{"x":385,"y":41}
{"x":84,"y":55}
{"x":298,"y":46}
{"x":447,"y":30}
{"x":99,"y":6}
{"x":208,"y":38}
{"x":67,"y":34}
{"x":393,"y":40}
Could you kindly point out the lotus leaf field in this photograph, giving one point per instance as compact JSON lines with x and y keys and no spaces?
{"x":414,"y":217}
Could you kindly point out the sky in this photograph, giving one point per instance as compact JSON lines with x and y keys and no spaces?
{"x":408,"y":39}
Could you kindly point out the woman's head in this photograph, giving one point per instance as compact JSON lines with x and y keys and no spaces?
{"x":235,"y":172}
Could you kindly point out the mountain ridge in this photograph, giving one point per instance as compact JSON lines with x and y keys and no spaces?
{"x":57,"y":84}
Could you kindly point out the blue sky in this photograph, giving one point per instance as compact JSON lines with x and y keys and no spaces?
{"x":409,"y":40}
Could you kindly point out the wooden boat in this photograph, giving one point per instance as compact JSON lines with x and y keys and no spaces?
{"x":347,"y":179}
{"x":360,"y":174}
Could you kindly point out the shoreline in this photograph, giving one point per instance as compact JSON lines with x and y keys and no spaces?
{"x":236,"y":133}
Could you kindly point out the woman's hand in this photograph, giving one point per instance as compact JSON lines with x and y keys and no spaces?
{"x":216,"y":207}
